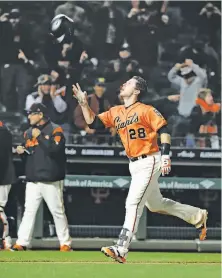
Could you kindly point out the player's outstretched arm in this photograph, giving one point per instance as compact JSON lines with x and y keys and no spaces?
{"x":81,"y":97}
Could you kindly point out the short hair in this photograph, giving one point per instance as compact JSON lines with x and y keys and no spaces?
{"x":203,"y":92}
{"x":141,"y":84}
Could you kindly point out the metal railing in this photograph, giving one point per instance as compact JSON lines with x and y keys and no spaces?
{"x":189,"y":141}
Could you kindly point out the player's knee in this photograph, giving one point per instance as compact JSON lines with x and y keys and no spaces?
{"x":30,"y":212}
{"x":57,"y":212}
{"x":155,"y":206}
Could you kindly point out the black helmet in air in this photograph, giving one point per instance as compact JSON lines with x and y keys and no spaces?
{"x":61,"y":27}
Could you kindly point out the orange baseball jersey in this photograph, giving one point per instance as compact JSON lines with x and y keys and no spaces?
{"x":137,"y":126}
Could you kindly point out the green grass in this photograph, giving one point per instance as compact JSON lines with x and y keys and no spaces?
{"x":53,"y":264}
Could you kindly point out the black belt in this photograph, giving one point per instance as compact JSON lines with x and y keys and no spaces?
{"x":138,"y":158}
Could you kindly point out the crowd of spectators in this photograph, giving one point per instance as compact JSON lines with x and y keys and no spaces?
{"x":174,"y":45}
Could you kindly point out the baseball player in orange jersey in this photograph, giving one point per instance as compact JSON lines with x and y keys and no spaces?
{"x":138,"y":126}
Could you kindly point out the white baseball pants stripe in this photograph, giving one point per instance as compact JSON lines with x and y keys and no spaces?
{"x":52,"y":193}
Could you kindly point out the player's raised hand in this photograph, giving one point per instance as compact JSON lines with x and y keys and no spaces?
{"x":79,"y":94}
{"x":165,"y":164}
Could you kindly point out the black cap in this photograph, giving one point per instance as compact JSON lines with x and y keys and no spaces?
{"x":15,"y":13}
{"x":43,"y":80}
{"x":37,"y":108}
{"x":101,"y":81}
{"x":125,"y":46}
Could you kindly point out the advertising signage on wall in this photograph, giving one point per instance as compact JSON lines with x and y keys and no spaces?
{"x":74,"y":152}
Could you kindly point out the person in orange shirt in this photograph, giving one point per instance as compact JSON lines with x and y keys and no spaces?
{"x":138,"y":126}
{"x":204,"y":119}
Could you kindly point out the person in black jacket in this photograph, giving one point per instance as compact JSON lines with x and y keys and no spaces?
{"x":109,"y":25}
{"x":16,"y":59}
{"x":7,"y":177}
{"x":45,"y":164}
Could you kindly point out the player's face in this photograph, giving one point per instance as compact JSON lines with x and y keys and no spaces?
{"x":129,"y":88}
{"x":34,"y":118}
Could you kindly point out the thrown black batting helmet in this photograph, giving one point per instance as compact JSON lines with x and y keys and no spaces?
{"x":61,"y":27}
